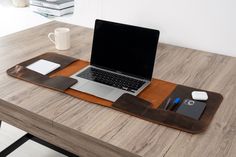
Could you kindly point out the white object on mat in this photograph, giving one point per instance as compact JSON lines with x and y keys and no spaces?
{"x":199,"y":95}
{"x":43,"y":66}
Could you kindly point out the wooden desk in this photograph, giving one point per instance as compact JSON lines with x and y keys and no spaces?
{"x":91,"y":130}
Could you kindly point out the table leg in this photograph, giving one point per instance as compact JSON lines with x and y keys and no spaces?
{"x":27,"y":137}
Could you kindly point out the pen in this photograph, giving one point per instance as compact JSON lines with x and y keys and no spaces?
{"x":167,"y":104}
{"x":175,"y":102}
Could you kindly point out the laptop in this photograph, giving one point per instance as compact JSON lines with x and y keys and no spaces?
{"x":122,"y":61}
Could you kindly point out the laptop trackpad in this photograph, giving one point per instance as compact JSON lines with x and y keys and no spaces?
{"x":96,"y":89}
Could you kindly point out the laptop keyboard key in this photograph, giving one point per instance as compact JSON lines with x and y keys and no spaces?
{"x":111,"y":79}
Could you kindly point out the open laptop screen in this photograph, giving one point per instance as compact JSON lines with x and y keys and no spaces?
{"x":125,"y":49}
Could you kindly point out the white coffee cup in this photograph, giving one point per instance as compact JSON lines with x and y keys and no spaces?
{"x":61,"y":37}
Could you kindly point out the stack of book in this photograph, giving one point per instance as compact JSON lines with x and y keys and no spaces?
{"x":54,"y":8}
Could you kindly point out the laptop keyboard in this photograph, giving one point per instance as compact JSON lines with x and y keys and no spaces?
{"x":111,"y":79}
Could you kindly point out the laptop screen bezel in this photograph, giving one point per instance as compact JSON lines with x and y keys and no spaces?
{"x":117,"y":71}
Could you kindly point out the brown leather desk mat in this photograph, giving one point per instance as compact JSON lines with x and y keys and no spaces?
{"x":156,"y":93}
{"x":59,"y":83}
{"x":139,"y":108}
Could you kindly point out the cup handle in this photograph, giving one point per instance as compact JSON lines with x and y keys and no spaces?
{"x":50,"y":37}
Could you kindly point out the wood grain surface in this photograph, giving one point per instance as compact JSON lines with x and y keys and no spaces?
{"x":91,"y":130}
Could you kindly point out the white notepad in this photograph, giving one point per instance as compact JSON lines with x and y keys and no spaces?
{"x":43,"y":66}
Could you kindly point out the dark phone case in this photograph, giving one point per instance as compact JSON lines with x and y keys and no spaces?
{"x":191,"y":108}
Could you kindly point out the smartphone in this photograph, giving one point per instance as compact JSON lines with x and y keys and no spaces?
{"x":191,"y":108}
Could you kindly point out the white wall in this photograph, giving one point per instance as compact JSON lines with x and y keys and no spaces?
{"x":14,"y":19}
{"x":208,"y":25}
